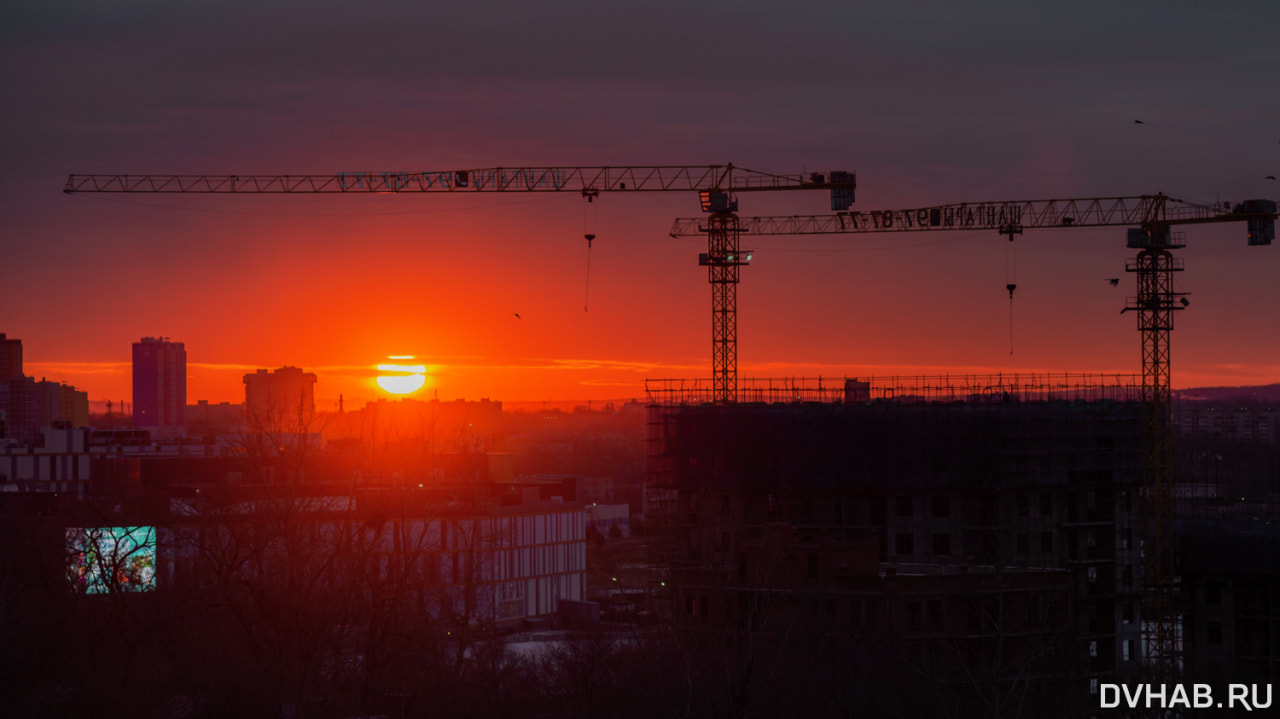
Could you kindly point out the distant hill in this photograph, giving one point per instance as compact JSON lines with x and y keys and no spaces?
{"x":1256,"y":393}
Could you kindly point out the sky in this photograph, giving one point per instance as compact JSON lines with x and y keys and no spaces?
{"x":927,"y":102}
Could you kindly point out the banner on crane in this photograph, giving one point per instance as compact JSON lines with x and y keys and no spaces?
{"x":946,"y":216}
{"x":514,"y":180}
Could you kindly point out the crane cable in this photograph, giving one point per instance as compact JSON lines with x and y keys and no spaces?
{"x":1011,"y":280}
{"x":589,"y":232}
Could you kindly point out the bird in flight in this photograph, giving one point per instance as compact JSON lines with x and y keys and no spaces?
{"x":517,"y":315}
{"x":1114,"y":281}
{"x":1271,"y":177}
{"x":1138,"y":122}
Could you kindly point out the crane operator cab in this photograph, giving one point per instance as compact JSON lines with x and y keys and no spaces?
{"x":1262,"y":230}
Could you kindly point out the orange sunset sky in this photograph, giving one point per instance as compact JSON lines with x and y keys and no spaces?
{"x":995,"y":102}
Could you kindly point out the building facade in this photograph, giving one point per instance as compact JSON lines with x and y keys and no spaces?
{"x":160,"y":386}
{"x":280,"y":401}
{"x":10,"y":357}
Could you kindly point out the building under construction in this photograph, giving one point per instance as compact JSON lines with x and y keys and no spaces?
{"x":953,"y":523}
{"x":1227,"y":457}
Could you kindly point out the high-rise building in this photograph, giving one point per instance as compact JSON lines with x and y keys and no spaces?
{"x":159,"y":386}
{"x":280,"y":401}
{"x":10,"y":358}
{"x":19,"y":410}
{"x":18,"y":421}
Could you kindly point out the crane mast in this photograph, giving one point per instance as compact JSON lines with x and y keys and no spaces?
{"x":1155,"y":303}
{"x":716,"y":185}
{"x":1150,"y":219}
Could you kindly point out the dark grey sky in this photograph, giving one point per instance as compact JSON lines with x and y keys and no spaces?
{"x":927,"y":102}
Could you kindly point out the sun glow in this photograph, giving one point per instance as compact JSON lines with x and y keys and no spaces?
{"x":402,"y":378}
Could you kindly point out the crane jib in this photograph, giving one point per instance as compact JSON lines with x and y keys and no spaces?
{"x":650,"y":178}
{"x":541,"y":179}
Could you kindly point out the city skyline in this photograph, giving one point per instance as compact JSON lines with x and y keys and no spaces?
{"x":1040,"y":103}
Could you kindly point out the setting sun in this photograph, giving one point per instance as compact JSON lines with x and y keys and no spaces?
{"x":402,"y":378}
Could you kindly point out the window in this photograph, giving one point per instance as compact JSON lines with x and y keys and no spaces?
{"x":1024,"y":505}
{"x":1126,"y":575}
{"x":875,"y":509}
{"x":933,"y":611}
{"x":1213,"y":633}
{"x":902,"y":506}
{"x":811,"y":564}
{"x":904,"y":544}
{"x":1093,"y":648}
{"x":990,"y":512}
{"x":1023,"y":544}
{"x":942,"y":545}
{"x":913,"y":615}
{"x":941,"y":506}
{"x":1046,"y":542}
{"x":1126,"y":650}
{"x":1213,"y":595}
{"x":1127,"y":614}
{"x":1046,"y":504}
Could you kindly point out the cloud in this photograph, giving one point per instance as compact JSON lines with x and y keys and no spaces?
{"x":224,"y":367}
{"x":51,"y":368}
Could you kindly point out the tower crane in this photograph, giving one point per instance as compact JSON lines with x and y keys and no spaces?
{"x":716,"y":185}
{"x":1150,"y":219}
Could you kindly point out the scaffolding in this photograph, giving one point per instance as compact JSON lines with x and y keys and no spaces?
{"x":1015,"y":387}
